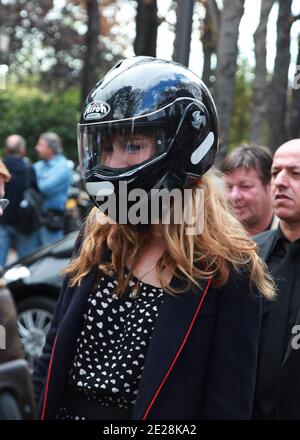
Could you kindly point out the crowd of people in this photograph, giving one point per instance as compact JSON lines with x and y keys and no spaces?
{"x":47,"y":183}
{"x":265,"y":194}
{"x":150,"y":323}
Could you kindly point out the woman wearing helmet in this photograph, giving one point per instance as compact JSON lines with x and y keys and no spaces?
{"x":157,"y":319}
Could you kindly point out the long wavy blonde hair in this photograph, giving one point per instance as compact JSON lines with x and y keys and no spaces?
{"x":222,"y":247}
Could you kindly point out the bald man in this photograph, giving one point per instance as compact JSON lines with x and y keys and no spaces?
{"x":278,"y":378}
{"x":15,"y":145}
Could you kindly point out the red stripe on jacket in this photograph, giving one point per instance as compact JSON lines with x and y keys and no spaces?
{"x":179,"y":351}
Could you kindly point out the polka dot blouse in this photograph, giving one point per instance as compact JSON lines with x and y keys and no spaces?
{"x":113,"y":343}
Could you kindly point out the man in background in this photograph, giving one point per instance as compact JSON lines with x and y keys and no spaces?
{"x":23,"y":177}
{"x":16,"y":393}
{"x":54,"y":179}
{"x":278,"y":375}
{"x":4,"y":177}
{"x":247,"y":173}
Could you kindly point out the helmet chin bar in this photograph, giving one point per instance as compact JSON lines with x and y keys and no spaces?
{"x":117,"y":205}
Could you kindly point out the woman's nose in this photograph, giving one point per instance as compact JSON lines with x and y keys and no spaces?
{"x":117,"y":160}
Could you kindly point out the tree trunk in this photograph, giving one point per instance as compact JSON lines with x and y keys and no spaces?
{"x":279,"y":84}
{"x":183,"y":31}
{"x":226,"y":69}
{"x":146,"y":28}
{"x":294,"y":131}
{"x":89,"y":76}
{"x":258,"y":104}
{"x":209,"y":38}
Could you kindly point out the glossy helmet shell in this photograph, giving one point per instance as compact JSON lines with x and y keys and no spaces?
{"x":137,"y":88}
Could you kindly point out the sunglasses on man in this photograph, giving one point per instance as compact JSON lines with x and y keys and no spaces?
{"x":3,"y":203}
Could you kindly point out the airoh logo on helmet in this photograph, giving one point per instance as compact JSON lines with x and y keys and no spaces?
{"x":96,"y":110}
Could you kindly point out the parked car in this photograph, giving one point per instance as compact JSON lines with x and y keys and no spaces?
{"x":35,"y":282}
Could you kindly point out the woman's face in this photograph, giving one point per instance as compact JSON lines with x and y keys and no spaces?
{"x":123,"y":151}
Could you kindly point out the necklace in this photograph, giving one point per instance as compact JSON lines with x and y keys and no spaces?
{"x":137,"y":286}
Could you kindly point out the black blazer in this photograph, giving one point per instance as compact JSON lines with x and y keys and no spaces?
{"x":201,"y":362}
{"x":288,"y":399}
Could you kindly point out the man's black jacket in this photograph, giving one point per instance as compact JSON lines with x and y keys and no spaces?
{"x":288,"y":397}
{"x":23,"y":176}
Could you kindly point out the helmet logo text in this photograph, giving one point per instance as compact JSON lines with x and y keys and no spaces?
{"x":96,"y":110}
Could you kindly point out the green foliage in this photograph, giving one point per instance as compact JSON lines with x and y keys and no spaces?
{"x":239,"y":131}
{"x":30,"y":112}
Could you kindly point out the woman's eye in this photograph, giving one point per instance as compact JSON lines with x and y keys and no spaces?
{"x":133,"y":148}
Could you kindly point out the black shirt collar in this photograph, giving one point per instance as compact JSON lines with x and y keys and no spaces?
{"x":281,"y":242}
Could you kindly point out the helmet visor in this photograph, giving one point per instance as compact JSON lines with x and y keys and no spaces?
{"x":119,"y":146}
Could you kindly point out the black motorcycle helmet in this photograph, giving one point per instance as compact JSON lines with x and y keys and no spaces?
{"x":149,"y":122}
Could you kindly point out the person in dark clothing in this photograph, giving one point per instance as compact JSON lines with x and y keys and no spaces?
{"x":278,"y":381}
{"x":4,"y":178}
{"x":23,"y":176}
{"x":8,"y":316}
{"x":155,"y":320}
{"x":16,"y":391}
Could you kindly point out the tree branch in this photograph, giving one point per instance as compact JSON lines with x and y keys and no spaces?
{"x":295,"y":18}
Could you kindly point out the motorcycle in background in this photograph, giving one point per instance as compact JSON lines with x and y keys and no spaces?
{"x":78,"y":203}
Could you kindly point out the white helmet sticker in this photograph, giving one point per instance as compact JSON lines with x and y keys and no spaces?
{"x":203,"y":148}
{"x":96,"y":110}
{"x":100,"y":188}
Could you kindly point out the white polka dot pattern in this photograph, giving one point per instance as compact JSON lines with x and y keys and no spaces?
{"x":113,"y":342}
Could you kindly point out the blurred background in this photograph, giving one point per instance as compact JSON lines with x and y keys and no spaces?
{"x":52,"y":52}
{"x":246,"y":51}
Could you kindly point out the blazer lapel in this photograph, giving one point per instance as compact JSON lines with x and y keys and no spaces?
{"x":266,"y":245}
{"x":172,"y":325}
{"x":66,"y":337}
{"x":265,"y":248}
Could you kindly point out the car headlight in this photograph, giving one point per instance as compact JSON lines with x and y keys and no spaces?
{"x":16,"y":273}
